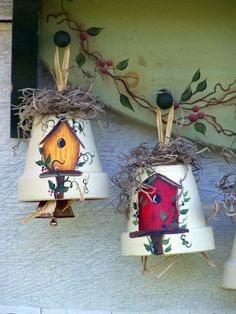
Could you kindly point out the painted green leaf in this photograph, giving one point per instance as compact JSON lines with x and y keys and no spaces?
{"x":135,"y":205}
{"x":125,"y":102}
{"x":168,"y":249}
{"x":41,"y":150}
{"x":202,"y":86}
{"x":147,"y":247}
{"x":144,"y":202}
{"x":173,"y":198}
{"x":200,"y":127}
{"x":39,"y":163}
{"x":182,"y":222}
{"x":51,"y":185}
{"x":81,"y":164}
{"x":94,"y":31}
{"x":185,"y":193}
{"x":80,"y":59}
{"x":80,"y":128}
{"x":163,"y":215}
{"x":48,"y":160}
{"x":196,"y":76}
{"x":122,"y":65}
{"x":184,"y":211}
{"x":165,"y":241}
{"x":173,"y":225}
{"x":187,"y":94}
{"x":135,"y":222}
{"x":183,"y":226}
{"x":187,"y":199}
{"x":172,"y":210}
{"x":63,"y":189}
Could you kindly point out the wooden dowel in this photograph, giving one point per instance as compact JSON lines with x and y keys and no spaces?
{"x":61,"y":72}
{"x":58,"y":73}
{"x":159,"y":125}
{"x":169,"y":125}
{"x":65,"y":66}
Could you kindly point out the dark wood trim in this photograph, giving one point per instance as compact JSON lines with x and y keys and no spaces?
{"x":5,"y":21}
{"x":24,"y":52}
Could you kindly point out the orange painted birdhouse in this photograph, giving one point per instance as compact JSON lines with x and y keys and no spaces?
{"x":61,"y":147}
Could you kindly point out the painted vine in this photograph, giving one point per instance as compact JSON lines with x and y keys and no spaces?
{"x":197,"y":107}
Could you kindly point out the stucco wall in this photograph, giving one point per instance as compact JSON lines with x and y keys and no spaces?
{"x":78,"y":263}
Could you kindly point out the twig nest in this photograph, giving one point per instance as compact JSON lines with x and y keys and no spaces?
{"x":62,"y":39}
{"x":164,"y":99}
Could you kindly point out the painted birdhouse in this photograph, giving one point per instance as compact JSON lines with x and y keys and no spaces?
{"x":62,"y":164}
{"x":166,"y":215}
{"x":158,"y":212}
{"x":61,"y":147}
{"x":158,"y":207}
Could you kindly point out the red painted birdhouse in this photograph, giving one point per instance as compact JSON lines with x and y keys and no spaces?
{"x":158,"y":211}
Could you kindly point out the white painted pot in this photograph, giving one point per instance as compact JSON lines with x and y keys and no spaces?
{"x":229,"y":271}
{"x":73,"y":156}
{"x":197,"y":238}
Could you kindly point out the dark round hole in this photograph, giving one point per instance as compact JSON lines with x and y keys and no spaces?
{"x":156,"y":198}
{"x":61,"y":143}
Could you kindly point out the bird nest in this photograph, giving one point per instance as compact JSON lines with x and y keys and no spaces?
{"x":143,"y":160}
{"x":73,"y":102}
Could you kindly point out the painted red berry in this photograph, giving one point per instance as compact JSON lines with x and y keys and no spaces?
{"x":193,"y":117}
{"x":109,"y":63}
{"x":195,"y":108}
{"x":176,"y":105}
{"x":102,"y":63}
{"x":201,"y":115}
{"x":104,"y":70}
{"x":83,"y":35}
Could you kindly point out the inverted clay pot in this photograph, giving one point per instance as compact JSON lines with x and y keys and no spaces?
{"x":229,"y":271}
{"x":166,"y":216}
{"x":62,"y":162}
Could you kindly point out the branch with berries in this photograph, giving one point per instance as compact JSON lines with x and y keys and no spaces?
{"x":188,"y":102}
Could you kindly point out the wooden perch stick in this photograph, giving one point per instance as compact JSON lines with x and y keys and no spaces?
{"x":169,"y":125}
{"x":159,"y":125}
{"x":61,"y":73}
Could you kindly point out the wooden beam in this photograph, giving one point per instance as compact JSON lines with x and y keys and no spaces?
{"x":24,"y":51}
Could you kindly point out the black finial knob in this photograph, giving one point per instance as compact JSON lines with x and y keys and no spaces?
{"x":164,"y":99}
{"x":61,"y":39}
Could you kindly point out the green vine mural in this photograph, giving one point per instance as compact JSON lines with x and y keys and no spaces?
{"x":191,"y":109}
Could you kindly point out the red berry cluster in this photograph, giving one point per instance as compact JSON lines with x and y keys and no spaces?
{"x":83,"y":36}
{"x":176,"y":105}
{"x":193,"y":117}
{"x":50,"y":192}
{"x":43,"y":169}
{"x":104,"y":65}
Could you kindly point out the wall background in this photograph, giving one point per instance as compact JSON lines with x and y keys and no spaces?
{"x":78,"y":263}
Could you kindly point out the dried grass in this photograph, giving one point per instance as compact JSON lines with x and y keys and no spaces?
{"x":143,"y":159}
{"x":72,"y":102}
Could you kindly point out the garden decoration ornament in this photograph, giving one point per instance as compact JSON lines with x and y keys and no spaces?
{"x":227,"y":186}
{"x":160,"y":197}
{"x":62,"y":164}
{"x":229,"y":270}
